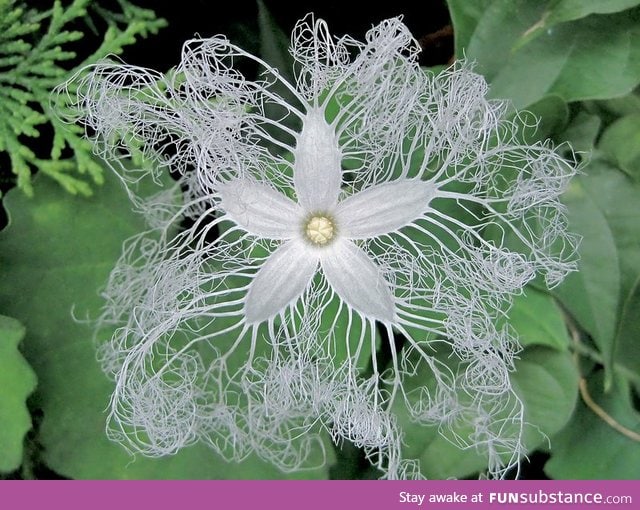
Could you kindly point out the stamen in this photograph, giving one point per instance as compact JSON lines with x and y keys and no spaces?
{"x":320,"y":230}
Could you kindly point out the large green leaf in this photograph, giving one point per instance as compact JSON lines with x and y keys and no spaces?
{"x":604,"y":207}
{"x":542,"y":377}
{"x":593,"y":57}
{"x":544,"y":373}
{"x":592,"y":293}
{"x":621,"y":106}
{"x":581,"y":132}
{"x":54,"y":256}
{"x":465,"y":15}
{"x":274,"y":49}
{"x":17,"y":381}
{"x":588,"y":448}
{"x":567,"y":10}
{"x":274,"y":44}
{"x":537,"y":320}
{"x":628,"y":335}
{"x":621,"y":142}
{"x":560,"y":11}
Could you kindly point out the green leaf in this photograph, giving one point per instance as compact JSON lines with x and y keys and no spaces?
{"x":542,"y":376}
{"x":465,"y":15}
{"x":592,"y":294}
{"x":588,"y":448}
{"x":628,"y":334}
{"x":274,"y":43}
{"x":621,"y":142}
{"x":620,"y":106}
{"x":568,"y":10}
{"x":274,"y":49}
{"x":536,"y":318}
{"x":595,"y":57}
{"x":17,"y":381}
{"x":582,"y":131}
{"x":603,"y":207}
{"x":54,"y":257}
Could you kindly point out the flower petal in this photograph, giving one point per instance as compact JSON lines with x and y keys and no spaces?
{"x":317,"y":173}
{"x":384,"y":208}
{"x":260,"y":210}
{"x":281,"y":280}
{"x":358,"y":280}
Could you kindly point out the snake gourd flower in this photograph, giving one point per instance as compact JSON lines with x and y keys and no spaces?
{"x":377,"y":203}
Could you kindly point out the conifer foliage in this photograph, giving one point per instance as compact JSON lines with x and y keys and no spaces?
{"x":37,"y":52}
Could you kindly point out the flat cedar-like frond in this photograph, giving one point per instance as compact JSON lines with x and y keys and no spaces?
{"x":35,"y":56}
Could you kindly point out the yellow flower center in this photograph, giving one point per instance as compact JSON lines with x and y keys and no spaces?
{"x":320,"y":230}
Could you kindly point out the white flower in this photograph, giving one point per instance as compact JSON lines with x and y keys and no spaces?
{"x":321,"y":231}
{"x":404,"y":204}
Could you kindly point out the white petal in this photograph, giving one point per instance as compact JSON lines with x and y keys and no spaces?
{"x":384,"y":208}
{"x":358,"y":280}
{"x":317,"y":173}
{"x":280,"y":281}
{"x":260,"y":210}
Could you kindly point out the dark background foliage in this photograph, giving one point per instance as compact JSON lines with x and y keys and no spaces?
{"x":238,"y":20}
